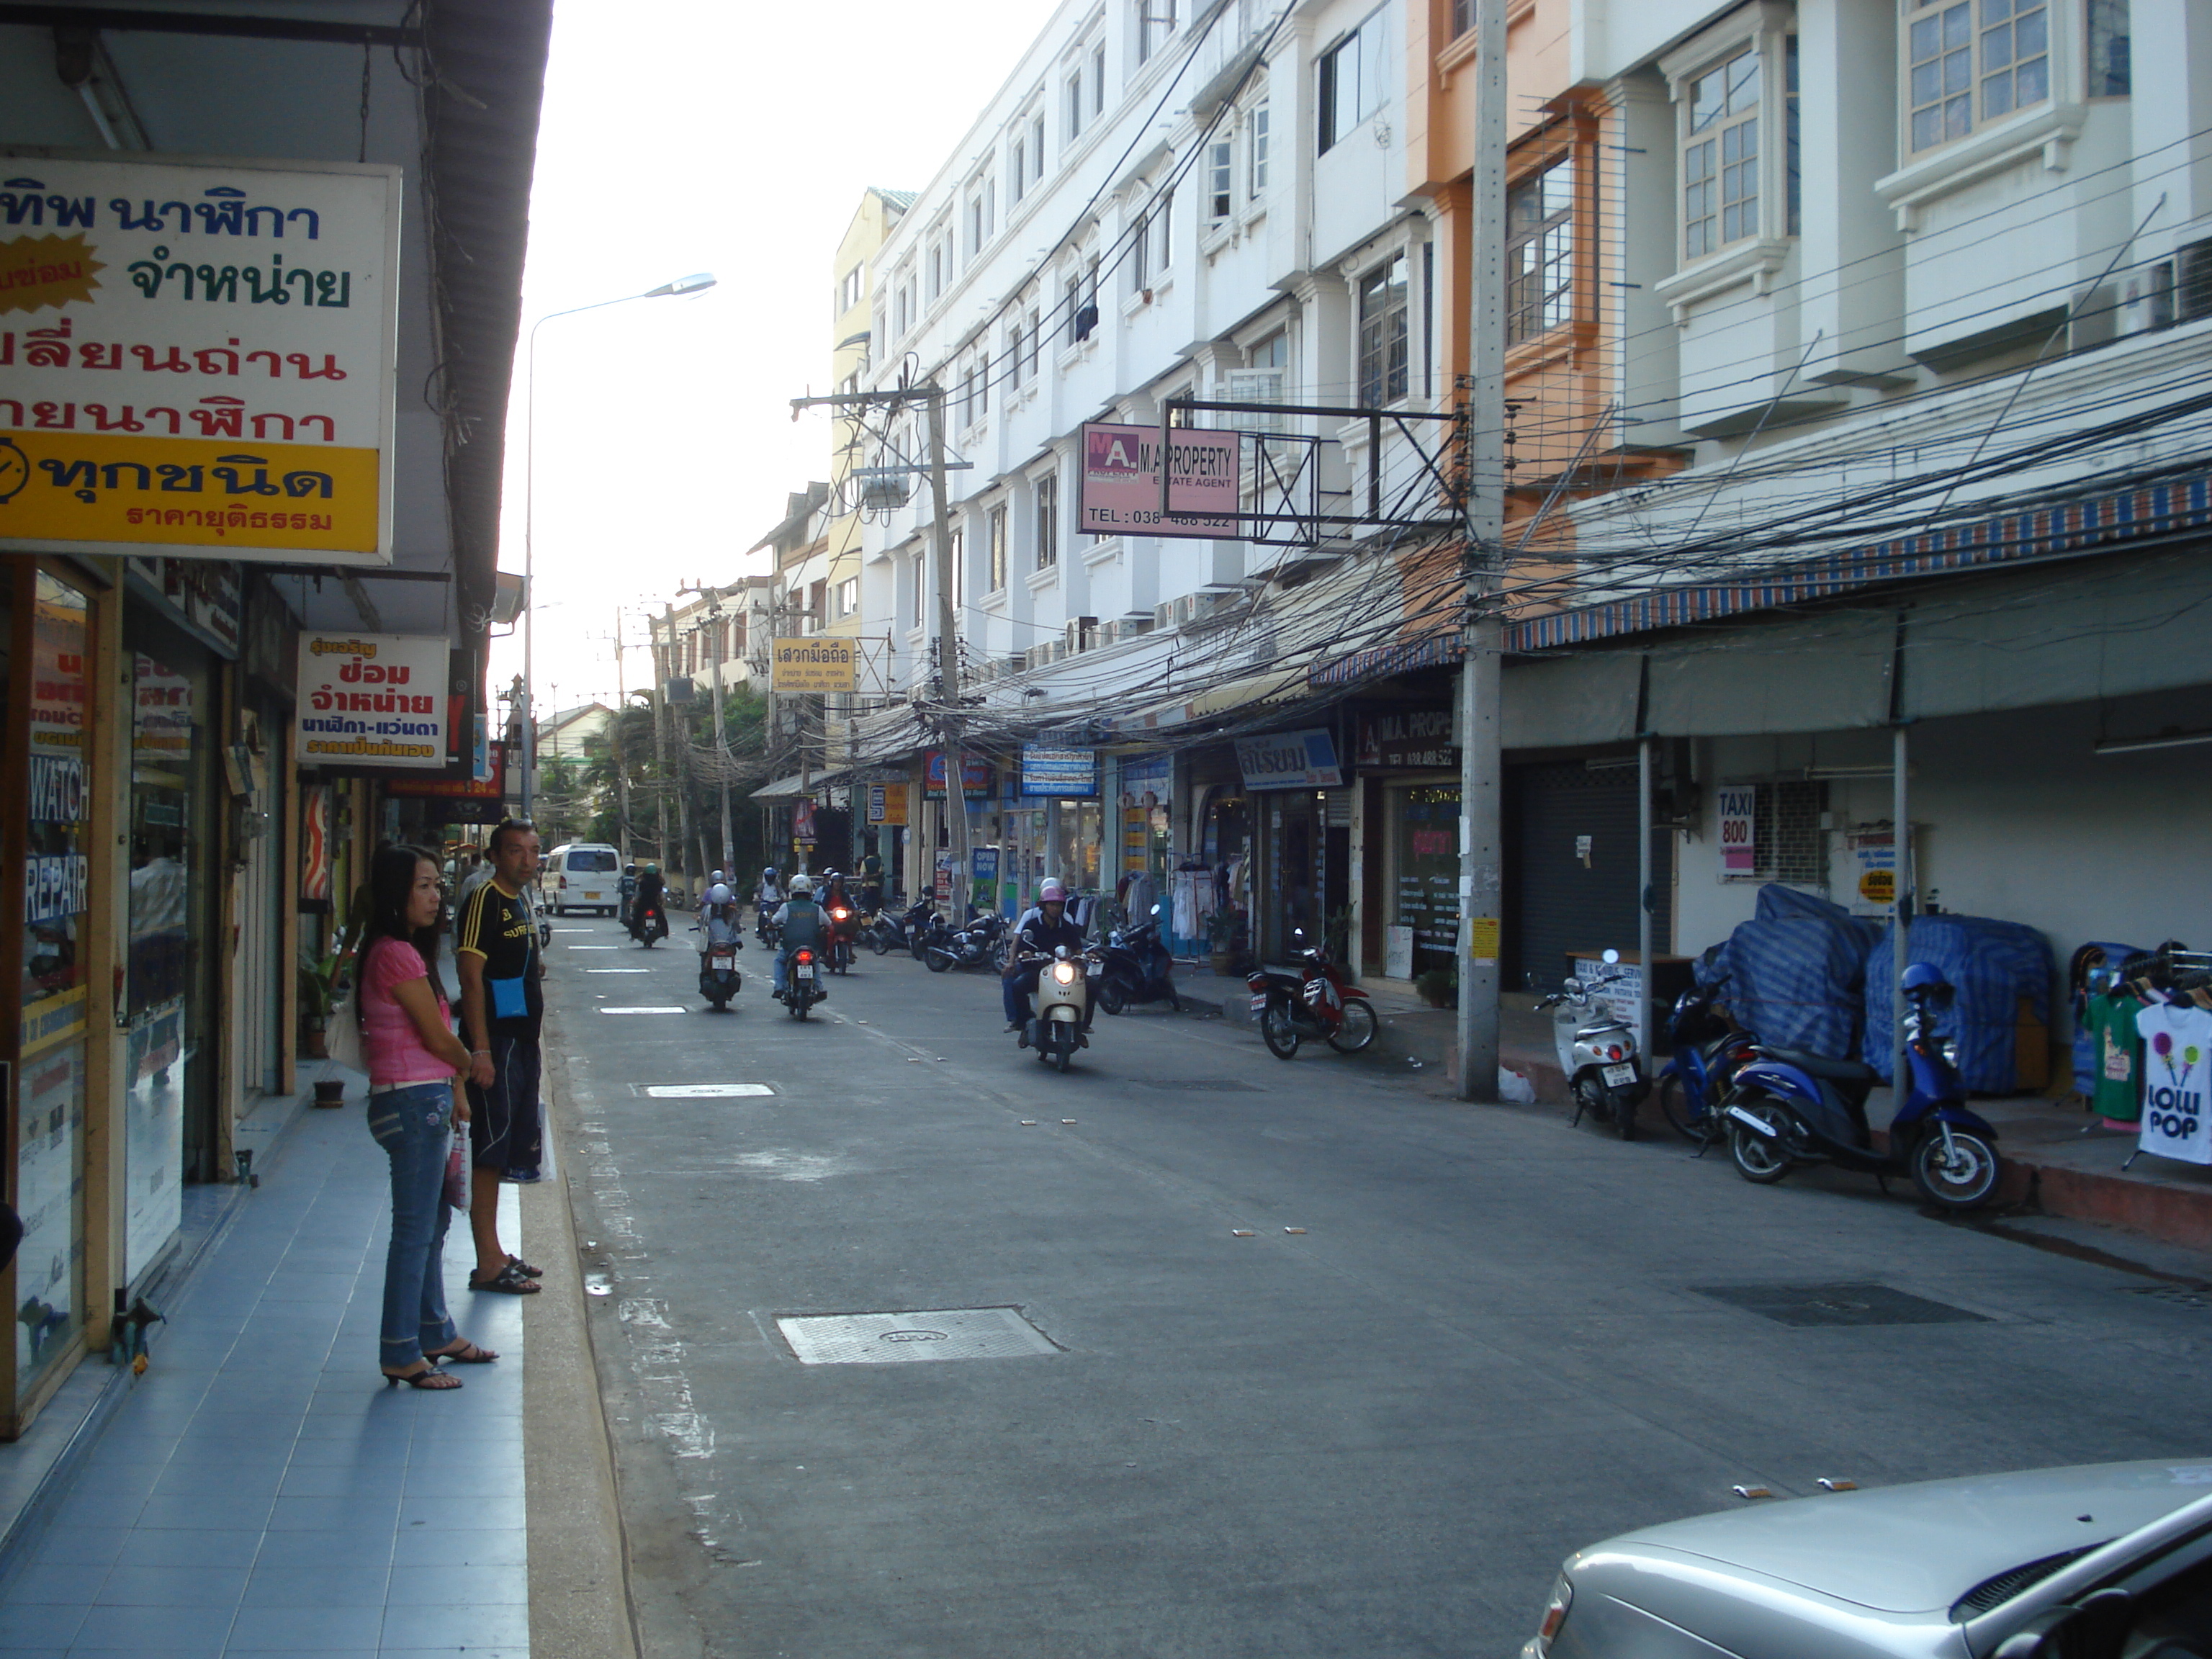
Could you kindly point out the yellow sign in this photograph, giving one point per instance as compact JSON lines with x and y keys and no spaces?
{"x":887,"y":804}
{"x":1482,"y":939}
{"x":819,"y":662}
{"x":193,"y":492}
{"x":50,"y":1020}
{"x":1877,"y":886}
{"x":36,"y":272}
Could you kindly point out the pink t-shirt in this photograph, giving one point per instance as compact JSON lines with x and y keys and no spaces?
{"x":395,"y":1048}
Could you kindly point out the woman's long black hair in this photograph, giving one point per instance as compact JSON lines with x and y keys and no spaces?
{"x":391,"y":885}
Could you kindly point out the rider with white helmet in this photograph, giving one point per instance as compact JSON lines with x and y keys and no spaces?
{"x":803,"y":923}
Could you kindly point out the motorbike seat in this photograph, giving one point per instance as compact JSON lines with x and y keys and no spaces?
{"x":1812,"y":1065}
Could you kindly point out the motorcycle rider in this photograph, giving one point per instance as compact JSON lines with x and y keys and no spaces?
{"x":871,"y":883}
{"x":803,"y":925}
{"x":652,"y":895}
{"x":1041,"y":931}
{"x":719,"y":919}
{"x":717,"y":879}
{"x":767,"y":894}
{"x":626,"y":890}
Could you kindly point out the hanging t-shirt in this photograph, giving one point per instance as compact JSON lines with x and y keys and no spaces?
{"x":2177,"y":1065}
{"x":2115,"y":1091}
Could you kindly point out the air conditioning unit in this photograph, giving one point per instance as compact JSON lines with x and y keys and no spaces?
{"x":1164,"y":616}
{"x":1040,"y":655}
{"x":2147,"y":298}
{"x":2192,"y":281}
{"x":2094,"y":320}
{"x":1082,"y":635}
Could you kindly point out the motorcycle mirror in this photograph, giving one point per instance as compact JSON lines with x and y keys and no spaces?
{"x":1573,"y":987}
{"x":1155,"y":909}
{"x":1610,"y":957}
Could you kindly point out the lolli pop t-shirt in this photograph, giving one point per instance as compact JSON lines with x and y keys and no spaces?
{"x":2177,"y":1068}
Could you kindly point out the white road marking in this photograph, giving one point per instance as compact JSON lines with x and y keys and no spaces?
{"x":617,"y":970}
{"x":641,"y":1011}
{"x":591,"y":947}
{"x":702,"y":1090}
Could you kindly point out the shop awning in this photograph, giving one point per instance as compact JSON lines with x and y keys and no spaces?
{"x":785,"y":789}
{"x":1253,"y":691}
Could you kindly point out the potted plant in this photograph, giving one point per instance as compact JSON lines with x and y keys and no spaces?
{"x":1438,"y":987}
{"x":1226,"y":939}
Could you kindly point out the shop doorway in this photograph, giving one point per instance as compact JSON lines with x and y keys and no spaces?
{"x":1570,"y":866}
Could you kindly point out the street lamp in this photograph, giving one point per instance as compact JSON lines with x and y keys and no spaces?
{"x":697,"y":283}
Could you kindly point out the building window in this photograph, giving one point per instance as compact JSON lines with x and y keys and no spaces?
{"x":1786,"y":839}
{"x":938,"y":272}
{"x":1382,"y":334}
{"x":2111,"y":71}
{"x":1036,"y":338}
{"x":996,"y":526}
{"x":1048,"y":521}
{"x":1720,"y":157}
{"x":1539,"y":252}
{"x":1220,"y":174}
{"x":982,"y":386}
{"x":848,"y":290}
{"x":1462,"y":17}
{"x":1017,"y":169}
{"x":1017,"y":357}
{"x":1036,"y":144}
{"x":1351,"y":80}
{"x":848,"y":599}
{"x":977,"y":229}
{"x":1075,"y":103}
{"x":1155,"y":21}
{"x":1152,"y":247}
{"x":1098,"y":80}
{"x":1950,"y":60}
{"x":1255,"y":149}
{"x":1081,"y":297}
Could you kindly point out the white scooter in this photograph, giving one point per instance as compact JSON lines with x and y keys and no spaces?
{"x":1598,"y":1055}
{"x":1062,"y":995}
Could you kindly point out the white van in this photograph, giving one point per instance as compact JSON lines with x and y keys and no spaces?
{"x":583,"y":875}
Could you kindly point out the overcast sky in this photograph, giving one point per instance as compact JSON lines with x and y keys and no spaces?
{"x":695,"y":135}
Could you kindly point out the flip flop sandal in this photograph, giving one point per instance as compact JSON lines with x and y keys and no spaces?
{"x":524,"y":1268}
{"x":467,"y":1354}
{"x":507,"y":1281}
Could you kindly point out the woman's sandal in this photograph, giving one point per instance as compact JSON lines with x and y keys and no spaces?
{"x":508,"y":1281}
{"x":524,"y":1268}
{"x":428,"y":1377}
{"x":465,"y":1352}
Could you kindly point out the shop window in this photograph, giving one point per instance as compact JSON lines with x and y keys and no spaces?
{"x":1960,"y":75}
{"x":1427,"y":868}
{"x":1789,"y":842}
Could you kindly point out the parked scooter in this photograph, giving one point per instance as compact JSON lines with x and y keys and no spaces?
{"x":1707,"y":1053}
{"x":648,"y":920}
{"x":884,"y":930}
{"x":803,"y":983}
{"x":976,"y":946}
{"x":1057,"y":1031}
{"x":1136,"y":967}
{"x":1317,"y":998}
{"x":1598,"y":1055}
{"x":1790,"y":1107}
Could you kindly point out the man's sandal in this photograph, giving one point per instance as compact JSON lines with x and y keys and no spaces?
{"x":463,"y":1352}
{"x":524,"y":1268}
{"x":508,"y":1281}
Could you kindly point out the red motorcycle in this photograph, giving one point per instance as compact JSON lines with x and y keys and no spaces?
{"x":844,"y":929}
{"x":1317,"y":998}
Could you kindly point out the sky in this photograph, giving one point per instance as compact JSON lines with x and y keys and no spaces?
{"x":683,"y":135}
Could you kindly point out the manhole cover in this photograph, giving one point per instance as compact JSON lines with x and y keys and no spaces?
{"x":1837,"y":1305}
{"x":1210,"y":1085}
{"x":885,"y":1339}
{"x":2183,"y":1296}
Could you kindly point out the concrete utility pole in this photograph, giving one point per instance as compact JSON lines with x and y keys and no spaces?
{"x":721,"y":745}
{"x":659,"y":738}
{"x":948,"y":657}
{"x":615,"y":745}
{"x":683,"y":756}
{"x":1482,"y":880}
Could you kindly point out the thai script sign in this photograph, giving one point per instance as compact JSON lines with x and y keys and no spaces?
{"x":1059,"y":771}
{"x":1289,"y":760}
{"x":1739,"y":831}
{"x":975,"y":774}
{"x":887,"y":804}
{"x":206,"y":595}
{"x":1121,"y":482}
{"x":819,"y":662}
{"x":490,"y":788}
{"x":372,"y":700}
{"x":197,"y":356}
{"x":1407,"y":740}
{"x":1147,"y":779}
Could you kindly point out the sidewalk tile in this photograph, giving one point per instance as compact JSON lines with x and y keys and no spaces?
{"x":361,"y":1479}
{"x":172,"y":1586}
{"x":291,"y":1629}
{"x":464,"y":1625}
{"x":338,"y":1550}
{"x":480,"y":1585}
{"x":38,"y":1628}
{"x":50,"y":1584}
{"x":220,"y":1483}
{"x":317,"y":1587}
{"x":357,"y":1514}
{"x":152,"y":1628}
{"x":455,"y":1514}
{"x":190,"y":1514}
{"x":72,"y":1547}
{"x":209,"y":1547}
{"x":507,"y":1546}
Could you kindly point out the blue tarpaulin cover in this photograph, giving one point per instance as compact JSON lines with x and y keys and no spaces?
{"x":1795,"y":971}
{"x":1991,"y":965}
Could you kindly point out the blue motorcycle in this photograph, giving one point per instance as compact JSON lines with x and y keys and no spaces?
{"x":1788,"y":1108}
{"x":1706,"y":1055}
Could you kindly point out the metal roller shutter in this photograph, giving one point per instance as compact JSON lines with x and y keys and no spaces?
{"x":1559,"y":903}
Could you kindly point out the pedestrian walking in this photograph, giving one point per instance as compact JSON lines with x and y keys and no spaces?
{"x":415,"y":1065}
{"x":503,"y":1004}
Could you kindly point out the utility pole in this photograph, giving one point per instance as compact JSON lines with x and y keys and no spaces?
{"x":615,"y":733}
{"x":659,"y":736}
{"x":683,"y":755}
{"x":948,"y":657}
{"x":1481,"y":881}
{"x":721,"y":746}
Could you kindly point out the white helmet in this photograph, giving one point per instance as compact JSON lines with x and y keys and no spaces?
{"x":719,"y":894}
{"x":802,"y":886}
{"x":718,"y":876}
{"x":1051,"y":892}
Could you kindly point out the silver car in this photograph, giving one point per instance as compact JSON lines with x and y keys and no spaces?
{"x":2106,"y":1561}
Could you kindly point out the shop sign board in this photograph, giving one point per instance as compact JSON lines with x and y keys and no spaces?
{"x":372,"y":700}
{"x":1870,"y":858}
{"x":492,"y":787}
{"x":975,"y":775}
{"x":1289,"y":760}
{"x":1739,"y":836}
{"x":161,"y":715}
{"x":1407,"y":740}
{"x":984,"y":860}
{"x":1047,"y":771}
{"x":198,"y":356}
{"x":802,"y":820}
{"x":1147,"y":779}
{"x":812,"y":662}
{"x":1122,"y":481}
{"x":205,"y":594}
{"x":887,"y":804}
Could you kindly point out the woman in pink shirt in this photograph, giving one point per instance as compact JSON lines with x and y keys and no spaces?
{"x":414,"y":1062}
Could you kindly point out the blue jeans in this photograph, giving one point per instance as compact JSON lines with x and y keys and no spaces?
{"x":414,"y":1126}
{"x":783,"y":964}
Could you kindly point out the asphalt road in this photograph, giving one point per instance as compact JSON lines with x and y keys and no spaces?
{"x":1457,"y":1343}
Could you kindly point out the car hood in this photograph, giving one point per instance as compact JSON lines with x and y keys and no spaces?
{"x":1918,"y":1548}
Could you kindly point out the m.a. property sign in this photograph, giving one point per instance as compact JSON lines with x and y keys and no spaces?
{"x":1121,"y":482}
{"x":198,"y":357}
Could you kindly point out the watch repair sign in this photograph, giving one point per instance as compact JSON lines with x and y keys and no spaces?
{"x":198,"y":357}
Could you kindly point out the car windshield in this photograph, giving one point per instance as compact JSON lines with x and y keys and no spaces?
{"x":591,"y":858}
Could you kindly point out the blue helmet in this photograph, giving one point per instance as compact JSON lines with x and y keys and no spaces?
{"x":1924,"y":976}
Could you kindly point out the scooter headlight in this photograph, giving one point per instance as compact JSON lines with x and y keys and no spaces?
{"x":1064,"y":972}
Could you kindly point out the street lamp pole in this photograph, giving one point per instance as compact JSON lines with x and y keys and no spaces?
{"x":697,"y":283}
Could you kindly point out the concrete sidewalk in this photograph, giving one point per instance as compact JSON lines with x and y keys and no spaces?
{"x":259,"y":1490}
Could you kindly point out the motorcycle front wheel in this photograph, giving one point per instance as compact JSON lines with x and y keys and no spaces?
{"x":1759,"y":1159}
{"x":1279,"y":1032}
{"x":1961,"y":1179}
{"x":1356,"y":1029}
{"x":1060,"y":1057}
